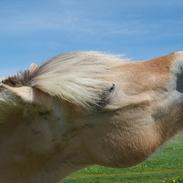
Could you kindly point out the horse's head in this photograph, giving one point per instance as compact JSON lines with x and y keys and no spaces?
{"x":86,"y":108}
{"x":27,"y":135}
{"x":42,"y":135}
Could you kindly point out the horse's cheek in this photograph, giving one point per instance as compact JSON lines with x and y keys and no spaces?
{"x":111,"y":145}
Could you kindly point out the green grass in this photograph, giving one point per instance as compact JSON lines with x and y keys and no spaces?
{"x":165,"y":166}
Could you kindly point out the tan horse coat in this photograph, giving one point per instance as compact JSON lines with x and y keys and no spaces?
{"x":87,"y":108}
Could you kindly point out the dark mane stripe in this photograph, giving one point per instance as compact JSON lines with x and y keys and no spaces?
{"x":21,"y":79}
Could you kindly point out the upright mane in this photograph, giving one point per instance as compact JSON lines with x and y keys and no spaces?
{"x":80,"y":77}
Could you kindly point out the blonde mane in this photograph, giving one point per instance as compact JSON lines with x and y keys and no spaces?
{"x":79,"y":78}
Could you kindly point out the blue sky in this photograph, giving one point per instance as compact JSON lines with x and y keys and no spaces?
{"x":33,"y":31}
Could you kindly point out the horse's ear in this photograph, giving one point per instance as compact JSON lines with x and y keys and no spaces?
{"x":33,"y":68}
{"x":30,"y":95}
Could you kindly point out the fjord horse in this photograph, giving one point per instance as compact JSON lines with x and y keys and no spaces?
{"x":85,"y":108}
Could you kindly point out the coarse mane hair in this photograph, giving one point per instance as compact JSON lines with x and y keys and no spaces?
{"x":78,"y":77}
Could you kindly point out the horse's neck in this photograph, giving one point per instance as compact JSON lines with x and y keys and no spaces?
{"x":168,"y":116}
{"x":160,"y":80}
{"x":168,"y":103}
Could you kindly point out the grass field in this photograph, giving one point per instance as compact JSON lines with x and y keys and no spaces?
{"x":165,"y":166}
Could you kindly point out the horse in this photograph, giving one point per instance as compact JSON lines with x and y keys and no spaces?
{"x":85,"y":108}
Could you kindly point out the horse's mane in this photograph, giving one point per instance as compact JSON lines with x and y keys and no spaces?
{"x":80,"y":77}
